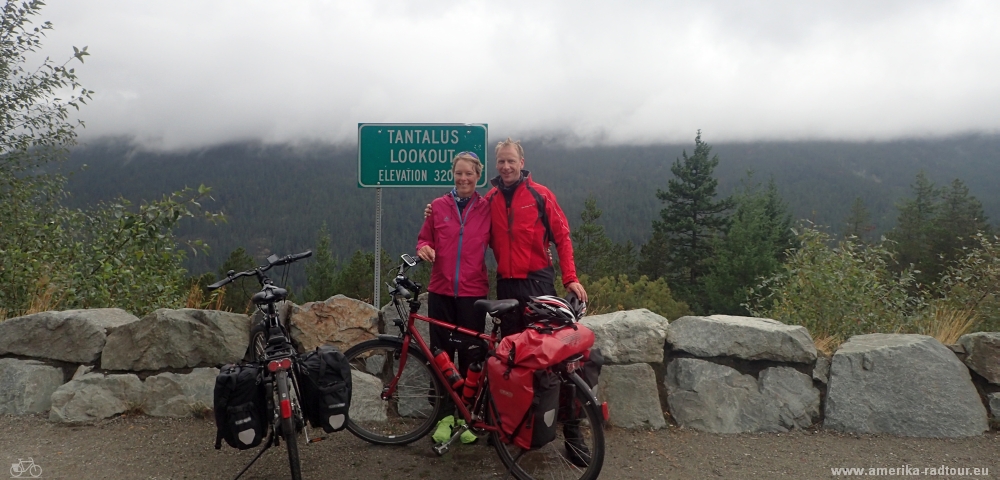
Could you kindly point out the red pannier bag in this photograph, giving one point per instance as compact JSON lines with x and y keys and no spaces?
{"x":542,"y":347}
{"x":524,"y":388}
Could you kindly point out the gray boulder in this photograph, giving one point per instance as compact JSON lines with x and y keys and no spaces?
{"x":366,"y":405}
{"x":793,"y":393}
{"x":983,"y":354}
{"x":182,"y":338}
{"x":821,"y":373}
{"x":994,"y":400}
{"x":76,"y":336}
{"x":633,"y":401}
{"x":180,"y":395}
{"x":631,"y":336}
{"x":741,"y":337}
{"x":906,"y":385}
{"x":718,"y":399}
{"x":26,"y":386}
{"x":339,"y":321}
{"x":94,"y":396}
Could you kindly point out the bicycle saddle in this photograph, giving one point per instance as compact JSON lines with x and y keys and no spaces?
{"x":496,"y":308}
{"x":268,"y":295}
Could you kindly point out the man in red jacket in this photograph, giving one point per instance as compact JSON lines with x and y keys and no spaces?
{"x":525,"y":220}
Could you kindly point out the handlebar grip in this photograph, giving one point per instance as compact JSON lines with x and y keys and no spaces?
{"x":218,"y":284}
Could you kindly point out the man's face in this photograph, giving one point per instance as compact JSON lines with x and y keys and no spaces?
{"x":509,"y":165}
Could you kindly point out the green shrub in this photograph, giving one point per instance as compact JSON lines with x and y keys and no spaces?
{"x":619,"y":293}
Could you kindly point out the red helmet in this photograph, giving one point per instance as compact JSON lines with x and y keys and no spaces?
{"x":548,"y":308}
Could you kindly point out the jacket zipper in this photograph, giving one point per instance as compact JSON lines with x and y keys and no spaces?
{"x":461,"y":233}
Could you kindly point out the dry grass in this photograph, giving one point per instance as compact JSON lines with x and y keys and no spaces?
{"x":947,"y":324}
{"x":827,"y":344}
{"x":196,"y":298}
{"x":46,"y":297}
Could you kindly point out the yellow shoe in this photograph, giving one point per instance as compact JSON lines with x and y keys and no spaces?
{"x":467,"y":436}
{"x":443,"y":431}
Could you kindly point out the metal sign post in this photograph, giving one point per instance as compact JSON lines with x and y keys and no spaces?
{"x":412,"y":155}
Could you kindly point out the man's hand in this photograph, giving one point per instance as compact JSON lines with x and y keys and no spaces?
{"x":427,"y":253}
{"x":578,"y":289}
{"x":427,"y":211}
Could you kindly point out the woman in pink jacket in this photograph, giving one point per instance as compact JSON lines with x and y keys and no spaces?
{"x":454,"y":237}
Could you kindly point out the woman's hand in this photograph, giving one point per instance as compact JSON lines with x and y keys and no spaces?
{"x":426,"y":253}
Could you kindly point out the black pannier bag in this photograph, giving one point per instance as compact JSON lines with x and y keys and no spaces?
{"x":240,"y":407}
{"x":325,"y":384}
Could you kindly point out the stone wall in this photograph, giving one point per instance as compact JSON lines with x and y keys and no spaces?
{"x":719,"y":374}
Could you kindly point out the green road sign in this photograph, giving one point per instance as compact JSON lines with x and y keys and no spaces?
{"x":416,"y":154}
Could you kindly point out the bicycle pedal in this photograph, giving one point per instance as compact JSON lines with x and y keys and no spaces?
{"x":441,"y":448}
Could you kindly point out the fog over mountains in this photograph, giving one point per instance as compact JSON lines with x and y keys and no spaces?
{"x":277,"y":196}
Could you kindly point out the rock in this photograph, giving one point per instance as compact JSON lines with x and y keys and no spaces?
{"x":339,"y":321}
{"x":182,"y":338}
{"x":718,"y":399}
{"x":95,"y":396}
{"x":631,"y":336}
{"x":793,"y":393}
{"x":994,"y":400}
{"x":82,"y":370}
{"x":983,"y":354}
{"x":633,"y":401}
{"x":821,"y":373}
{"x":741,"y":337}
{"x":76,"y":336}
{"x":906,"y":385}
{"x":366,"y":405}
{"x":26,"y":386}
{"x":180,"y":395}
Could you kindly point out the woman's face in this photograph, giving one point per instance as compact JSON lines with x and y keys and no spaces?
{"x":465,"y":178}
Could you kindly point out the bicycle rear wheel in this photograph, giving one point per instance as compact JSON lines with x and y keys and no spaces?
{"x":289,"y":432}
{"x":412,"y":410}
{"x":577,"y":453}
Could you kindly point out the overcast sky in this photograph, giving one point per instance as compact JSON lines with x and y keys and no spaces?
{"x":182,"y":74}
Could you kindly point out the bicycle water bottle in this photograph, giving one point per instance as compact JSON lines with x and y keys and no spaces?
{"x":472,"y":382}
{"x":443,"y":361}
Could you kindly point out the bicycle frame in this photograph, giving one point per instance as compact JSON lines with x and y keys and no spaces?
{"x":409,"y":334}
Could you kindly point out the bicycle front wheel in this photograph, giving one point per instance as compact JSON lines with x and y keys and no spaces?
{"x":412,"y":410}
{"x":577,"y":453}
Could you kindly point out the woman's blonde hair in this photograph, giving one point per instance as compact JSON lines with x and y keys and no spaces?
{"x":469,"y":158}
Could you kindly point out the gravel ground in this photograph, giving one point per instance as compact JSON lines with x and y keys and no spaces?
{"x":151,"y":448}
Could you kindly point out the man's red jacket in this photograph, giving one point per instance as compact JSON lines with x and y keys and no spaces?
{"x":518,"y":236}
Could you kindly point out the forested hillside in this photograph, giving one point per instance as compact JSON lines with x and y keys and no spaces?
{"x":277,"y":196}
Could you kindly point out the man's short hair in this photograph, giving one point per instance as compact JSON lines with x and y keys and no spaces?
{"x":468,"y":157}
{"x":510,"y":143}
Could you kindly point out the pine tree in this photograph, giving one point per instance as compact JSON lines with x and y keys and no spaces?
{"x":914,"y":227}
{"x":959,"y":217}
{"x":321,"y":273}
{"x":753,"y":248}
{"x":691,"y":221}
{"x":594,"y":253}
{"x":858,"y":221}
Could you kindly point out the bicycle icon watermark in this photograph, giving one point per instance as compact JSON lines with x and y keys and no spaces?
{"x":17,"y":470}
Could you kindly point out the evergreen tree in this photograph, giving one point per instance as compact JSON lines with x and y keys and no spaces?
{"x":357,"y":278}
{"x":858,"y":221}
{"x":753,"y":248}
{"x":691,"y":221}
{"x":321,"y":273}
{"x":914,"y":229}
{"x":959,"y":217}
{"x":594,"y":253}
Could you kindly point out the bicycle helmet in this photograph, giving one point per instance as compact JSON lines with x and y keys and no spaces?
{"x":548,"y":308}
{"x":577,"y":306}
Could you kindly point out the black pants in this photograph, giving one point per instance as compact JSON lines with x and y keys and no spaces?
{"x":521,"y":289}
{"x":457,"y":311}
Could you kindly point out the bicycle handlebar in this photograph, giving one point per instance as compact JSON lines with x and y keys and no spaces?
{"x":259,"y":271}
